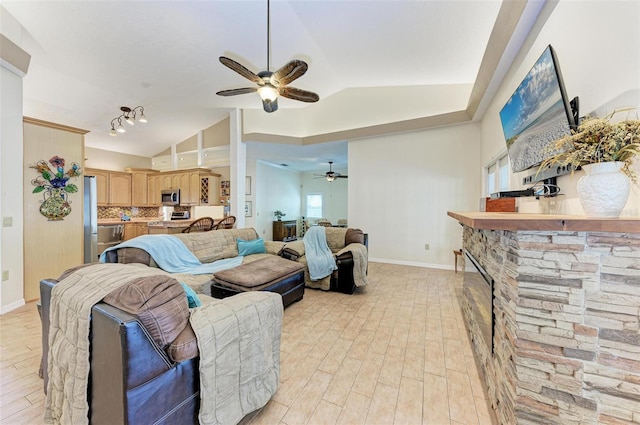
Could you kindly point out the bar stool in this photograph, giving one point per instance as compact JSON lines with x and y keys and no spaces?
{"x":456,"y":253}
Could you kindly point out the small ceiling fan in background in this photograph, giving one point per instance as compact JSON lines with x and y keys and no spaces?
{"x":332,"y":175}
{"x":270,"y":85}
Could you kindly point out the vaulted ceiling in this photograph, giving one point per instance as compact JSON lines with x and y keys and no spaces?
{"x":88,"y":58}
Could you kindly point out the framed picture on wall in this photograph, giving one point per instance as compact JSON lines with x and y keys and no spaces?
{"x":247,"y":186}
{"x":247,"y":209}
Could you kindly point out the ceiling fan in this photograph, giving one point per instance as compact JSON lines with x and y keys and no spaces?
{"x":332,"y":175}
{"x":270,"y":85}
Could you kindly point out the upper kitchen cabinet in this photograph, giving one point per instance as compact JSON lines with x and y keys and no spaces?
{"x":113,"y":187}
{"x":144,"y":189}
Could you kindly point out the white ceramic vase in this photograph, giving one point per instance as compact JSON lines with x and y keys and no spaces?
{"x":604,"y":189}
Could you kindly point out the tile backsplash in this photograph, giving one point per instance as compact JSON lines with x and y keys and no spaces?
{"x":114,"y":212}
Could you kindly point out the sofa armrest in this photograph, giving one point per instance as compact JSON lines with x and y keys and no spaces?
{"x":293,"y":250}
{"x":274,"y":247}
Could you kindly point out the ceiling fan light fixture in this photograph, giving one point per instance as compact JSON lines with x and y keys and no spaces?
{"x":331,"y":178}
{"x":268,"y":93}
{"x":270,"y":106}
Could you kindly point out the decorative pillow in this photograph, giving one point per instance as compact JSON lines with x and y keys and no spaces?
{"x":192,"y":297}
{"x":354,"y":236}
{"x":185,"y":346}
{"x":158,"y":302}
{"x":251,"y":247}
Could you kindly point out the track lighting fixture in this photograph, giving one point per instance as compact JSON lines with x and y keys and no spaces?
{"x":128,"y":115}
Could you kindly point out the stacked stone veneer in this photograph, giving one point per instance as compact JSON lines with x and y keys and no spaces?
{"x":567,"y":333}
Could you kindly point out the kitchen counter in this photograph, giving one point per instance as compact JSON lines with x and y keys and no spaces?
{"x":107,"y":221}
{"x":546,"y":222}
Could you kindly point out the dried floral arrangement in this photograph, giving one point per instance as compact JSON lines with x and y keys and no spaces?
{"x":599,"y":140}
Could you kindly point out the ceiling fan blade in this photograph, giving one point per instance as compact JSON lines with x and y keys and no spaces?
{"x":233,"y":92}
{"x":270,"y":106}
{"x":298,"y":94}
{"x":240,"y":69}
{"x":342,"y":177}
{"x":291,"y":71}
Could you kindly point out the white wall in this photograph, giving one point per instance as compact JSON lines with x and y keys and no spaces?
{"x":597,"y":44}
{"x":276,"y":189}
{"x":11,"y":187}
{"x":115,"y":161}
{"x":335,"y":195}
{"x":401,"y":187}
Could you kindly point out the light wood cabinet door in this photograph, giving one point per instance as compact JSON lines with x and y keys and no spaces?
{"x":153,"y":191}
{"x":120,"y":189}
{"x":102,"y":185}
{"x":166,"y":181}
{"x":139,"y":189}
{"x":194,"y":188}
{"x":185,"y":188}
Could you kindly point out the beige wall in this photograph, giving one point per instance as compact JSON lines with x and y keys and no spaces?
{"x":50,"y":247}
{"x":115,"y":161}
{"x":401,"y":187}
{"x":597,"y":45}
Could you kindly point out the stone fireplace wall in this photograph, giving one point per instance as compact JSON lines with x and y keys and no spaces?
{"x":567,"y":332}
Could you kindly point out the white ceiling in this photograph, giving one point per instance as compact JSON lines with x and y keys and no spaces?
{"x":88,"y":58}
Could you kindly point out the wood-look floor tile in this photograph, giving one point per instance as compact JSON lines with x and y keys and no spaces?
{"x":392,"y":366}
{"x":355,"y":410}
{"x":410,"y":399}
{"x":461,"y":402}
{"x":325,"y":414}
{"x":383,"y":405}
{"x":346,"y":359}
{"x":435,"y":409}
{"x":306,"y":402}
{"x":342,"y":381}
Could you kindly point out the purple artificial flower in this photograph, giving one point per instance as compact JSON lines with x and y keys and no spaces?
{"x":56,"y":161}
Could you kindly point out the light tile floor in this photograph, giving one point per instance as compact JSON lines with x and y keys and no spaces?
{"x":395,"y":352}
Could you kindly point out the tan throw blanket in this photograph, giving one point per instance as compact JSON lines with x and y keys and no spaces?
{"x":360,"y":259}
{"x":239,"y":343}
{"x":70,"y":314}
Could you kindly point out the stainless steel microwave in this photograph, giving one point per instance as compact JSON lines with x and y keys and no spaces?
{"x":170,"y":197}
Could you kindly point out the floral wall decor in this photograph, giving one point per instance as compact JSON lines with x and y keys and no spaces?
{"x":54,"y":186}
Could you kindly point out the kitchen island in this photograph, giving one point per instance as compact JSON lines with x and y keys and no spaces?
{"x":564,"y":315}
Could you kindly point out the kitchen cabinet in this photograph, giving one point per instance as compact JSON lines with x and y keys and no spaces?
{"x":113,"y":187}
{"x":120,"y":189}
{"x":135,"y":229}
{"x":153,"y":190}
{"x":197,"y":186}
{"x":140,"y":188}
{"x":102,"y":185}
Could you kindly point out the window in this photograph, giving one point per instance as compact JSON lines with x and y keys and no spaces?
{"x":314,"y":205}
{"x":498,"y":175}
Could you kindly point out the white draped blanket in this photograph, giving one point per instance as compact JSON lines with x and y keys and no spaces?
{"x":239,"y":343}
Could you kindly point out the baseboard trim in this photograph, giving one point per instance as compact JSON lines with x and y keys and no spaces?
{"x":10,"y":307}
{"x":410,"y":263}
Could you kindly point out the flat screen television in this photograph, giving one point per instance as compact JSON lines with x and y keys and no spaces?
{"x":537,"y":114}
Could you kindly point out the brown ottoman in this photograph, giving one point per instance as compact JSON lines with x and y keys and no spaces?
{"x":273,"y":274}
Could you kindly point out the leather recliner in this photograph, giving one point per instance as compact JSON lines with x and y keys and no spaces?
{"x":131,"y":379}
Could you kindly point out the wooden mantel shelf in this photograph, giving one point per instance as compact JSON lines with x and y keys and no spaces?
{"x":546,"y":222}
